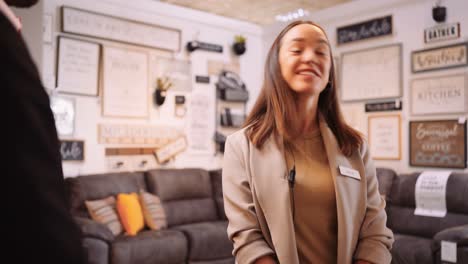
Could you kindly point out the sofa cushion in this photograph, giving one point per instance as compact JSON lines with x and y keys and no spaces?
{"x":130,"y":213}
{"x":401,"y":206}
{"x":98,"y":186}
{"x":103,"y":211}
{"x":186,"y":194}
{"x":153,"y":211}
{"x":411,"y":250}
{"x":216,"y":180}
{"x":207,"y":241}
{"x":164,"y":246}
{"x":385,"y":177}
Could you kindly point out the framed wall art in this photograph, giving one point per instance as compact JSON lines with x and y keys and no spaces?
{"x":64,"y":114}
{"x":88,"y":23}
{"x":178,"y":71}
{"x":438,"y":143}
{"x":125,"y":83}
{"x":384,"y":132}
{"x":439,"y":95}
{"x":372,"y":28}
{"x":371,"y":74}
{"x":78,"y":66}
{"x":72,"y":150}
{"x":439,"y":58}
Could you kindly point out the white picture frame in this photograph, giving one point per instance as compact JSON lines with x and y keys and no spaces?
{"x":439,"y":95}
{"x":370,"y":74}
{"x":78,"y":66}
{"x":64,"y":112}
{"x":179,"y":73}
{"x":125,"y":83}
{"x":384,"y":133}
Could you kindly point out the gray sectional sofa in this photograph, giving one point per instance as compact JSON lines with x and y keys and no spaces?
{"x":192,"y":200}
{"x":418,"y":238}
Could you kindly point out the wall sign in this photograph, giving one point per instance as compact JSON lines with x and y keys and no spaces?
{"x":442,"y":32}
{"x":439,"y":95}
{"x":170,"y":150}
{"x":78,"y":66}
{"x":178,"y":71}
{"x":72,"y":150}
{"x":394,"y":105}
{"x":88,"y":23}
{"x":198,"y":45}
{"x":443,"y":57}
{"x":136,"y":134}
{"x":64,"y":114}
{"x":385,"y":137}
{"x":376,"y":27}
{"x":371,"y":73}
{"x":202,"y":79}
{"x":439,"y":143}
{"x":125,"y":83}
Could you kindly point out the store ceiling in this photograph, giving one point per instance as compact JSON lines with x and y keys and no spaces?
{"x":261,"y":12}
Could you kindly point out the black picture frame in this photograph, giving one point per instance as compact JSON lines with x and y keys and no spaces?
{"x":72,"y":150}
{"x":369,"y":29}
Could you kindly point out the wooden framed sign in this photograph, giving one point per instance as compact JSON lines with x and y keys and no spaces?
{"x":371,"y":73}
{"x":88,"y":23}
{"x":439,"y":95}
{"x":438,"y":143}
{"x":385,"y":137}
{"x":442,"y":32}
{"x":373,"y":28}
{"x":72,"y":150}
{"x":78,"y":66}
{"x":170,"y":150}
{"x":438,"y":58}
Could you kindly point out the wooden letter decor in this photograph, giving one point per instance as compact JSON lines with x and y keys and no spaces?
{"x":170,"y":150}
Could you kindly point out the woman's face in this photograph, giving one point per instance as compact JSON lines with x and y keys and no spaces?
{"x":304,"y":59}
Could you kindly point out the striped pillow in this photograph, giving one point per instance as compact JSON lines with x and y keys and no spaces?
{"x":154,"y":214}
{"x":103,"y":211}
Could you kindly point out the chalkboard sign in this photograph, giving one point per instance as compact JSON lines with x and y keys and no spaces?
{"x":377,"y":27}
{"x":72,"y":150}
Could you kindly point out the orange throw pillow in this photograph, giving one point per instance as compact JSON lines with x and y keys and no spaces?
{"x":130,"y":213}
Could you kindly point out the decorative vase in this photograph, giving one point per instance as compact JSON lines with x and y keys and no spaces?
{"x":239,"y":48}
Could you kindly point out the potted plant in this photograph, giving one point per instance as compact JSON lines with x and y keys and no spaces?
{"x":162,"y":85}
{"x":239,"y":45}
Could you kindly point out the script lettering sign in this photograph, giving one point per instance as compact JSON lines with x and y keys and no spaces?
{"x":377,"y":27}
{"x":438,"y":58}
{"x":72,"y":150}
{"x":440,"y":143}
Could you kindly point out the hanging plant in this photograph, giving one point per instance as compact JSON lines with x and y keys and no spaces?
{"x":239,"y":47}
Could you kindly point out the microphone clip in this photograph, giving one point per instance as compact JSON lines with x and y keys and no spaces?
{"x":292,"y":177}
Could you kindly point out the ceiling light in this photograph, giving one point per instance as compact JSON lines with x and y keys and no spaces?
{"x":292,"y":15}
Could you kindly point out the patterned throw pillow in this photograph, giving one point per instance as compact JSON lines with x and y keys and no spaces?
{"x":155,"y":217}
{"x":130,"y":213}
{"x":103,"y":211}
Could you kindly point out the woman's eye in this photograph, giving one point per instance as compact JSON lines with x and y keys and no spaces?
{"x":296,"y":51}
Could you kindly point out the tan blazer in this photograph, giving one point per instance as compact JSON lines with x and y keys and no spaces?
{"x":257,"y":203}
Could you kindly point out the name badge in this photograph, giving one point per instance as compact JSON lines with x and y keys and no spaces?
{"x":349,"y":172}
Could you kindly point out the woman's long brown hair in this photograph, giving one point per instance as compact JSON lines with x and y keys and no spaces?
{"x":274,"y":112}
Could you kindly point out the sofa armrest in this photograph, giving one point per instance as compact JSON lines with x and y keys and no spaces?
{"x":93,"y":229}
{"x":458,"y":234}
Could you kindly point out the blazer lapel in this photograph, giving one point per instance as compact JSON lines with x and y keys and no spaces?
{"x":269,"y":168}
{"x":347,"y":192}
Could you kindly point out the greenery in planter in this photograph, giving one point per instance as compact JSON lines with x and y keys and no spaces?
{"x":239,"y":44}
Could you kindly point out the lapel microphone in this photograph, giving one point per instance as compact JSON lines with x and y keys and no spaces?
{"x":292,"y":176}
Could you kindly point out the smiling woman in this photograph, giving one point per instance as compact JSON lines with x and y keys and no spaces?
{"x":295,"y":142}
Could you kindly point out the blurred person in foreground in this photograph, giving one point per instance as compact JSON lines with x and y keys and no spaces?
{"x":37,"y":223}
{"x":299,"y":183}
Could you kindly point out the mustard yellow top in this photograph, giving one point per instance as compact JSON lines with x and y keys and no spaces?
{"x":315,"y":219}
